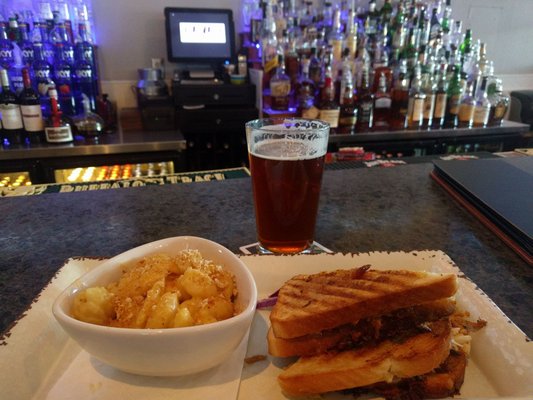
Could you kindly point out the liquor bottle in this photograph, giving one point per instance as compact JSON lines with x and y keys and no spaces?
{"x":417,"y":98}
{"x":386,"y":11}
{"x":424,"y":27}
{"x":441,"y":96}
{"x":26,"y":46}
{"x":43,"y":73}
{"x":348,"y":108}
{"x":365,"y":105}
{"x":343,"y":76}
{"x":446,"y":17}
{"x":88,"y":124}
{"x":315,"y":67}
{"x":292,"y":64}
{"x":465,"y":49}
{"x":499,"y":104}
{"x":351,"y":34}
{"x":467,"y":108}
{"x":30,"y":107}
{"x":382,"y":104}
{"x":12,"y":126}
{"x":280,"y":87}
{"x":63,"y":8}
{"x":410,"y":51}
{"x":63,"y":48}
{"x":42,"y":35}
{"x":269,"y":45}
{"x":306,"y":94}
{"x":456,"y":36}
{"x":435,"y":25}
{"x":108,"y":111}
{"x":372,"y":19}
{"x":399,"y":29}
{"x":482,"y":108}
{"x":336,"y":37}
{"x":13,"y":32}
{"x":429,"y":87}
{"x":84,"y":83}
{"x":57,"y":128}
{"x":6,"y":48}
{"x":454,"y":96}
{"x":329,"y":108}
{"x":63,"y":78}
{"x":400,"y":99}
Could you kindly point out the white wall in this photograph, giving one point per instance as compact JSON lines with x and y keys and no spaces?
{"x":131,"y":32}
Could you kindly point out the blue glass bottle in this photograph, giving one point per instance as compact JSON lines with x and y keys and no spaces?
{"x":84,"y":49}
{"x":85,"y":79}
{"x":48,"y":47}
{"x":63,"y":49}
{"x":43,"y":73}
{"x":64,"y":83}
{"x":7,"y":57}
{"x":26,"y":45}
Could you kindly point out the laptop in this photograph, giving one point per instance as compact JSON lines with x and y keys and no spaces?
{"x":497,"y":191}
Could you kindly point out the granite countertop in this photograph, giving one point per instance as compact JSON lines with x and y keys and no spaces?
{"x":377,"y":209}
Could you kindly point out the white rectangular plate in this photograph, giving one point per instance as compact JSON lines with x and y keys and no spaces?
{"x":501,"y":363}
{"x":38,"y":360}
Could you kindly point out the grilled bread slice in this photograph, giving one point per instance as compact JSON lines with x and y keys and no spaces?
{"x":370,"y":330}
{"x":387,"y":361}
{"x":445,"y":381}
{"x":312,"y":303}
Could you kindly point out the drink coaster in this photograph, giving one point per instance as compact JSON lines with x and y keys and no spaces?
{"x":254,"y":248}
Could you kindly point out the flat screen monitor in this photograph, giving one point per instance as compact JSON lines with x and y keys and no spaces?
{"x":199,"y":36}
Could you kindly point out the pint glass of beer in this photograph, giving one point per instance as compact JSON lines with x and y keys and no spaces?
{"x":286,"y":162}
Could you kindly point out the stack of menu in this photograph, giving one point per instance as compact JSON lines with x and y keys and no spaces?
{"x":497,"y":191}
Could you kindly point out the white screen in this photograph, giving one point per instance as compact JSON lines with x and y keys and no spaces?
{"x":202,"y":32}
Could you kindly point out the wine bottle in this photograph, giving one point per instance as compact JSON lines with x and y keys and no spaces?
{"x":30,"y":108}
{"x":12,"y":126}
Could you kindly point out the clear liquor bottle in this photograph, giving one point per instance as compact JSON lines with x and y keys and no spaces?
{"x":467,"y":108}
{"x":482,"y":107}
{"x":280,"y":87}
{"x":429,"y":87}
{"x":441,"y":97}
{"x":365,"y":105}
{"x":306,"y":92}
{"x":351,"y":34}
{"x":348,"y":109}
{"x":417,"y":97}
{"x":400,"y":99}
{"x":336,"y":37}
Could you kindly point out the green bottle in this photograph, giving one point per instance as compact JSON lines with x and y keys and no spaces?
{"x":465,"y":49}
{"x":454,"y":94}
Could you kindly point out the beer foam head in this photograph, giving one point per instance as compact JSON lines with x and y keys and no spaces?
{"x":288,"y":139}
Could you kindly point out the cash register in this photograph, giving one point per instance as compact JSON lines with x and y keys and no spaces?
{"x":210,"y":111}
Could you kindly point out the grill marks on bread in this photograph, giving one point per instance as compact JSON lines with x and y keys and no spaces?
{"x":365,"y":366}
{"x":309,"y":303}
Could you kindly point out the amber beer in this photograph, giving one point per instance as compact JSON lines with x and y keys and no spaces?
{"x":286,"y":179}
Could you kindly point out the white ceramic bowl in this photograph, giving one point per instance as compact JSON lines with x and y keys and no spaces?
{"x":162,"y":352}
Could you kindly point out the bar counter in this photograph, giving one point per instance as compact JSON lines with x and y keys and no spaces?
{"x":361,"y":210}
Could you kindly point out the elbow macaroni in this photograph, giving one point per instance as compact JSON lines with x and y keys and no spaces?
{"x":161,"y":291}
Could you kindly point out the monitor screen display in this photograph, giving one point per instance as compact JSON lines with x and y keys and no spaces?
{"x":197,"y":35}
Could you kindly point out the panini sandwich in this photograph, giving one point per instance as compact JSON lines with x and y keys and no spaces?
{"x":395,"y":333}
